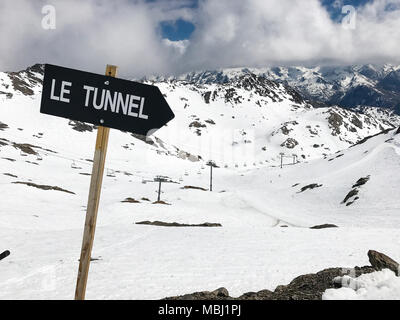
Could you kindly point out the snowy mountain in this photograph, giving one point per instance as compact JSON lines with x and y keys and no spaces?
{"x":342,"y":173}
{"x":248,"y":121}
{"x":347,"y":86}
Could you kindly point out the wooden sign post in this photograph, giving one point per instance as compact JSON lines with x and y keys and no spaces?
{"x":93,"y":202}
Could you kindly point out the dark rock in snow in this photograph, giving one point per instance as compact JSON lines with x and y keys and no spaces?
{"x":81,"y":126}
{"x":361,"y":181}
{"x":219,"y":294}
{"x":335,"y":121}
{"x":130,"y":200}
{"x":305,"y":287}
{"x":197,"y":124}
{"x":290,"y":143}
{"x":175,"y":224}
{"x":381,"y":261}
{"x":10,"y":175}
{"x":351,"y":194}
{"x":356,"y":189}
{"x":3,"y":126}
{"x":44,"y":187}
{"x":194,"y":188}
{"x":310,"y":187}
{"x":25,"y":147}
{"x":207,"y":96}
{"x":161,"y":202}
{"x":325,"y":226}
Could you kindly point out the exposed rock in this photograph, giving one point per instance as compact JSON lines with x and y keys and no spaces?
{"x":285,"y":128}
{"x":351,"y":194}
{"x":10,"y":175}
{"x":130,"y":200}
{"x":3,"y":126}
{"x":195,"y":188}
{"x":161,"y":202}
{"x":325,"y":226}
{"x":305,"y":287}
{"x":24,"y":81}
{"x":357,"y":122}
{"x":31,"y":162}
{"x":197,"y":124}
{"x":310,"y":187}
{"x":207,"y":96}
{"x":176,"y":224}
{"x":81,"y":126}
{"x":335,"y":121}
{"x":290,"y":143}
{"x":25,"y":147}
{"x":43,"y":187}
{"x":210,"y":121}
{"x":360,"y":182}
{"x":219,"y":294}
{"x":9,"y":95}
{"x":355,"y":191}
{"x":381,"y":261}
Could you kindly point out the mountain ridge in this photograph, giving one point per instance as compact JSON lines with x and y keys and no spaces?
{"x":346,"y":86}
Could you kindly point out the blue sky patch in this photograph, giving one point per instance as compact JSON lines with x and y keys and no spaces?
{"x":177,"y":30}
{"x":334,"y":7}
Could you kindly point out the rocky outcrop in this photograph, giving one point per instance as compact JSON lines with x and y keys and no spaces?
{"x":43,"y":187}
{"x":352,"y":196}
{"x":310,"y":187}
{"x":175,"y":224}
{"x":81,"y":126}
{"x":381,"y":261}
{"x":290,"y":143}
{"x":305,"y":287}
{"x":219,"y":294}
{"x":324,"y":226}
{"x":3,"y":126}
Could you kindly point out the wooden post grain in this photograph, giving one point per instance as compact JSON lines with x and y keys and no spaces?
{"x":93,"y":202}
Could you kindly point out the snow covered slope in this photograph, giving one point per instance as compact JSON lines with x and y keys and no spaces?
{"x":265,"y":211}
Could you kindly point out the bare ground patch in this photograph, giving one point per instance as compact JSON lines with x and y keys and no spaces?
{"x":176,"y":224}
{"x":43,"y":187}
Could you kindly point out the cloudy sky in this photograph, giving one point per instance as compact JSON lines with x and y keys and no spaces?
{"x":145,"y":37}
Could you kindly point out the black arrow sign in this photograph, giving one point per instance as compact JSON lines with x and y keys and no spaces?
{"x":103,"y":100}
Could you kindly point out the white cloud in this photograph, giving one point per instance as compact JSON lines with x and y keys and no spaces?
{"x":257,"y":32}
{"x":88,"y":35}
{"x":92,"y":33}
{"x":179,"y":46}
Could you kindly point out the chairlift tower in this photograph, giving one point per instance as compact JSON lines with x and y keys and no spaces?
{"x":212,"y":165}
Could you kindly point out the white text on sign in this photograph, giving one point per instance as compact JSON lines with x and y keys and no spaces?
{"x":117,"y":102}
